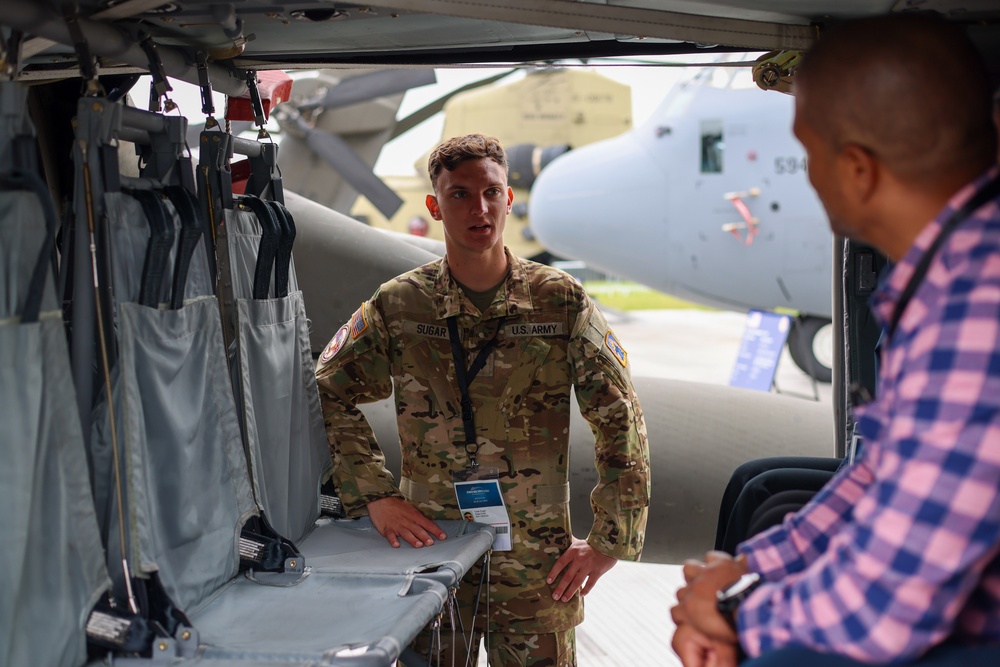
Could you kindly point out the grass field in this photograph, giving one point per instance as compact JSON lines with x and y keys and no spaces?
{"x":633,"y":296}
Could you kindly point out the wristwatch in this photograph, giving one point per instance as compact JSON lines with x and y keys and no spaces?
{"x":728,"y":599}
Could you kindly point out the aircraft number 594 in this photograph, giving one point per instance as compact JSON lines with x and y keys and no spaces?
{"x":789,"y":165}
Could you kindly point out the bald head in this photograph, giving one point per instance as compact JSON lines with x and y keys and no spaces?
{"x":910,"y":88}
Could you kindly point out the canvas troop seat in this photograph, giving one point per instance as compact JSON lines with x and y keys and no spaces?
{"x":272,"y":362}
{"x":354,"y":546}
{"x":193,"y":494}
{"x":188,"y":494}
{"x":51,"y":563}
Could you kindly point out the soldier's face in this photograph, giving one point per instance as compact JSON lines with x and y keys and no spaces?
{"x":472,"y":202}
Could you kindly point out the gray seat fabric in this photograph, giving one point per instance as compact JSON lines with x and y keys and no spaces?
{"x":354,"y":546}
{"x":188,"y":486}
{"x":340,"y":620}
{"x":128,"y":232}
{"x":170,"y":386}
{"x":275,"y":386}
{"x":283,"y":419}
{"x":51,"y":562}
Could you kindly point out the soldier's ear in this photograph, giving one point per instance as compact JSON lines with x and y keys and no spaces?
{"x":432,"y":207}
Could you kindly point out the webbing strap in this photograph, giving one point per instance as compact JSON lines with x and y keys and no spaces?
{"x":85,"y":59}
{"x":160,"y":85}
{"x":283,"y":258}
{"x":270,"y":238}
{"x":161,"y":240}
{"x":191,"y":231}
{"x":30,"y":182}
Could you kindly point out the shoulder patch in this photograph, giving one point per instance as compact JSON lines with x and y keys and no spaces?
{"x":616,"y":348}
{"x":359,"y":323}
{"x":333,"y":347}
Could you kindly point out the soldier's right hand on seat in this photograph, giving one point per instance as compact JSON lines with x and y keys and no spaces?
{"x":395,"y":518}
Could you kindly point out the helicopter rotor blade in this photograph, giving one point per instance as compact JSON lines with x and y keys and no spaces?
{"x":420,"y":115}
{"x":372,"y":85}
{"x":340,"y":156}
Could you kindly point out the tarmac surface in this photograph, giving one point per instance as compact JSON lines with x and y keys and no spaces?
{"x":628,"y":613}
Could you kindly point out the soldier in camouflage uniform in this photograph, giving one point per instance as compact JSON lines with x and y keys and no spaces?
{"x":549,"y":337}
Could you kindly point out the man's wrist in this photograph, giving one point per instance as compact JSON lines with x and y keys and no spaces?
{"x":729,"y":599}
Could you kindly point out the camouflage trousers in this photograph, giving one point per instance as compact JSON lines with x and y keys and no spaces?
{"x":455,"y":642}
{"x":555,"y":649}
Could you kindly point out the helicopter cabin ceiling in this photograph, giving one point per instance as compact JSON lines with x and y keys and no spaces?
{"x":274,"y":34}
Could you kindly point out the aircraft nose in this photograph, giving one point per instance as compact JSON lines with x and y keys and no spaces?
{"x":600,"y":203}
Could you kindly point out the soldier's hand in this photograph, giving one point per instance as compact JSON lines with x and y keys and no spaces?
{"x":580,"y":565}
{"x":395,"y":518}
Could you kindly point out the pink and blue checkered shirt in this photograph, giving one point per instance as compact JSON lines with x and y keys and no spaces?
{"x":901,"y":550}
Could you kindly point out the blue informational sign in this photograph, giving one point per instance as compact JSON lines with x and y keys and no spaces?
{"x":763,"y":339}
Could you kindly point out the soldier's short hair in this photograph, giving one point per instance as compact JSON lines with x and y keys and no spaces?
{"x":453,"y":152}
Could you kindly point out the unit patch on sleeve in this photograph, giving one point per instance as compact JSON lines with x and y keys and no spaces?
{"x":535,"y":329}
{"x":333,"y":347}
{"x":359,"y":323}
{"x":616,"y":348}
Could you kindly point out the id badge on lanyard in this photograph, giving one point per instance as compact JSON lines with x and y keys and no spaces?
{"x":480,"y":499}
{"x":477,"y":489}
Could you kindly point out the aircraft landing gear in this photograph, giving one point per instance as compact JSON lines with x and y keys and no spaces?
{"x":810,"y":342}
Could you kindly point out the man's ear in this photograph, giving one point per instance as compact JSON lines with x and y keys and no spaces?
{"x":510,"y":198}
{"x":432,"y":207}
{"x":860,"y":172}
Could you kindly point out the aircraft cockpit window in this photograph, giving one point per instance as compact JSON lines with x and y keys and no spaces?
{"x":711,"y":147}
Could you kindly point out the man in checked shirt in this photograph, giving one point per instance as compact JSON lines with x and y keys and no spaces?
{"x":897,"y":559}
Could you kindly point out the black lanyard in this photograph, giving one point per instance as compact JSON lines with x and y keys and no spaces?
{"x":989,"y":192}
{"x":465,"y":377}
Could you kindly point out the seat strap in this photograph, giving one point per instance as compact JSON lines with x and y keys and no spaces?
{"x":192,"y":227}
{"x":161,"y":240}
{"x":23,"y":180}
{"x":270,"y":239}
{"x":283,"y":258}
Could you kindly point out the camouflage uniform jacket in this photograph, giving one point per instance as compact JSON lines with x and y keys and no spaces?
{"x":553,"y":338}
